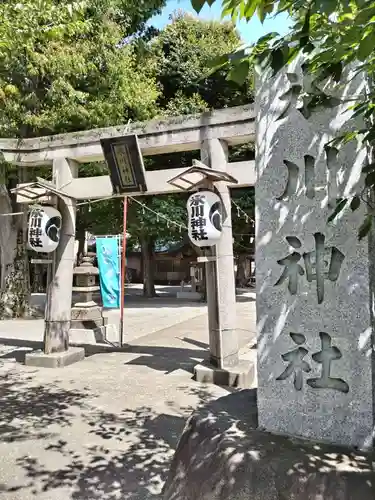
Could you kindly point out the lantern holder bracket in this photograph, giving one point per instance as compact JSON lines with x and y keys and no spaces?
{"x":34,"y":191}
{"x":198,"y":174}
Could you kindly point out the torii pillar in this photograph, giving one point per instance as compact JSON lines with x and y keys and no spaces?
{"x":223,"y":366}
{"x":57,"y":352}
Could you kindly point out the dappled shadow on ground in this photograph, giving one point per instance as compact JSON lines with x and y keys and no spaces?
{"x":223,"y":455}
{"x":122,"y":455}
{"x":103,"y":472}
{"x":27,"y":409}
{"x":202,"y":394}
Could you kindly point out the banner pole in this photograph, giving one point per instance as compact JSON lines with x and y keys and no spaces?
{"x":123,"y":271}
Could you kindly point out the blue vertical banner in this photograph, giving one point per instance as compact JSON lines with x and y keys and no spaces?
{"x":107,"y":253}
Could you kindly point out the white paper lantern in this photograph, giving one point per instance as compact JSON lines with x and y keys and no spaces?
{"x":205,"y":213}
{"x":43,"y":231}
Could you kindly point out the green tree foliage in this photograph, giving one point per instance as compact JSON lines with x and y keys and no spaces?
{"x":332,"y":35}
{"x":64,"y":66}
{"x":184,"y":50}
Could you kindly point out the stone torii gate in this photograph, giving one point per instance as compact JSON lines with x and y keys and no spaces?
{"x":211,"y":133}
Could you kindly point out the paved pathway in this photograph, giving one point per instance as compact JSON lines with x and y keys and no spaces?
{"x":141,"y":316}
{"x":104,"y":428}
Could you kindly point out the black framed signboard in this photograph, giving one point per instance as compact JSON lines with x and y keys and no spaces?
{"x":125,"y":164}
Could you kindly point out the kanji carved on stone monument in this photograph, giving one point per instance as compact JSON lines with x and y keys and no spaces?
{"x":320,"y":264}
{"x":303,"y":100}
{"x":328,"y":354}
{"x":309,"y":178}
{"x":290,"y":96}
{"x":293,"y":175}
{"x":297,"y":364}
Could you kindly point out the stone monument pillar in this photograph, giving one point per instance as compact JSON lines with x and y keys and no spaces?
{"x":315,"y":333}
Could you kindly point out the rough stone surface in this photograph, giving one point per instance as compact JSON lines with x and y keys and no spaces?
{"x":241,"y":375}
{"x":87,"y":324}
{"x":93,"y":335}
{"x":315,"y":336}
{"x":221,"y":456}
{"x":55,"y":359}
{"x":83,"y":311}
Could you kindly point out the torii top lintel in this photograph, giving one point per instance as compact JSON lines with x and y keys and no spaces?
{"x":182,"y":133}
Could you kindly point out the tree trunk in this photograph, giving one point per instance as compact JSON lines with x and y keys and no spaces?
{"x":241,"y":279}
{"x":15,"y":282}
{"x":148,"y":267}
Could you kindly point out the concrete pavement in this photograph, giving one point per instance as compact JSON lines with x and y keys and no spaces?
{"x":104,"y":428}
